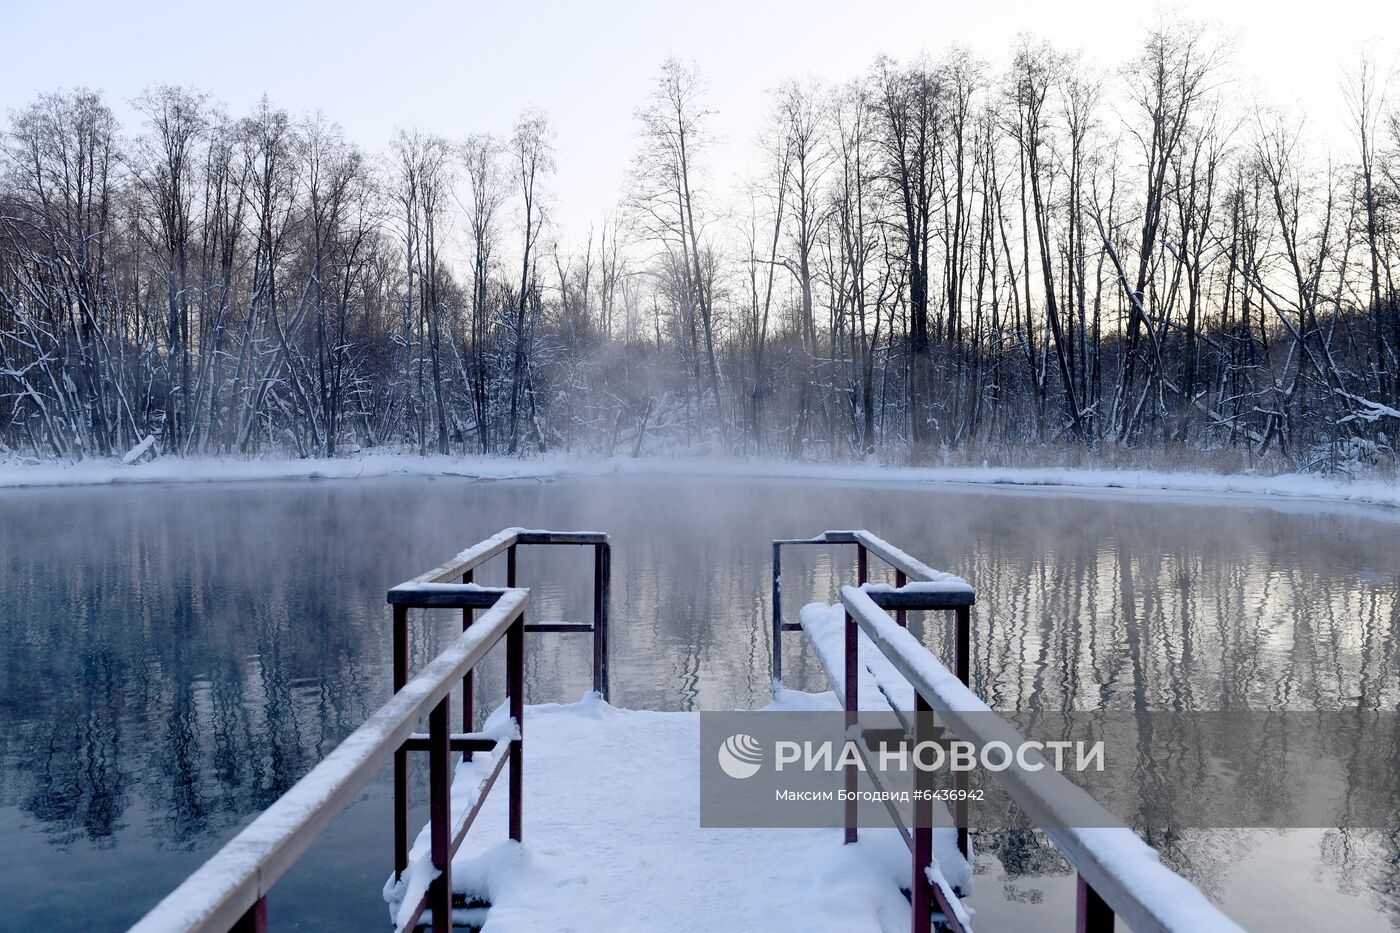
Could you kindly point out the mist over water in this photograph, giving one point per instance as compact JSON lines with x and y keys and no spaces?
{"x":176,"y":657}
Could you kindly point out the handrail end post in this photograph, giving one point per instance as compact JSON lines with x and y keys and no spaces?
{"x":440,"y":814}
{"x":852,"y":703}
{"x":254,"y":919}
{"x":515,"y":673}
{"x":963,"y":649}
{"x":1092,"y":913}
{"x":602,"y":597}
{"x":777,"y":619}
{"x":921,"y":828}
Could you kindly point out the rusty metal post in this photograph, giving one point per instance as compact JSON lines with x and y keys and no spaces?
{"x":254,"y":920}
{"x":602,"y":590}
{"x":400,"y":756}
{"x":1092,"y":914}
{"x":469,"y":678}
{"x":962,"y":657}
{"x":853,"y":688}
{"x":777,"y":617}
{"x":440,"y":815}
{"x":400,"y":647}
{"x":962,"y":654}
{"x":901,"y":615}
{"x":852,"y":666}
{"x":515,"y":679}
{"x":515,"y":688}
{"x":920,"y":888}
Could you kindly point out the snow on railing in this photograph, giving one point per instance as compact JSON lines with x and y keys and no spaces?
{"x":229,"y":891}
{"x":502,"y":541}
{"x":923,"y":577}
{"x":917,"y":586}
{"x":1114,"y":864}
{"x":231,"y":886}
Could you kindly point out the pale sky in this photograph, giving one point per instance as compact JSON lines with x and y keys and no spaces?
{"x":457,"y":68}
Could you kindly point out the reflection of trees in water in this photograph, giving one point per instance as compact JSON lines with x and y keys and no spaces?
{"x":1365,"y":860}
{"x":1023,"y":851}
{"x":194,"y":677}
{"x":185,"y":663}
{"x":1163,"y":607}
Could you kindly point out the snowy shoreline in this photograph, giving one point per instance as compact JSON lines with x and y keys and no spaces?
{"x":1131,"y":482}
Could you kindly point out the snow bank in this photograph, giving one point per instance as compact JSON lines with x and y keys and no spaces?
{"x":1124,"y":482}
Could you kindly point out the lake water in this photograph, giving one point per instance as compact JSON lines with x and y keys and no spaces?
{"x":175,"y":657}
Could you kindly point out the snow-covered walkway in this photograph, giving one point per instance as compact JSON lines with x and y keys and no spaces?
{"x":613,"y":842}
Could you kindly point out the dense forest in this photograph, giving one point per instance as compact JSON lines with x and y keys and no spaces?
{"x":939,"y":258}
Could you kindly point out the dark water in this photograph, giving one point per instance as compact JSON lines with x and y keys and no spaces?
{"x":174,"y":658}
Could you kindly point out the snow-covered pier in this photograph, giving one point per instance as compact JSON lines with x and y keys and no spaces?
{"x":604,"y":828}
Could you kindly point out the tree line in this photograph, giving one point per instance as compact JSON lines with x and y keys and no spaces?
{"x":937,"y":257}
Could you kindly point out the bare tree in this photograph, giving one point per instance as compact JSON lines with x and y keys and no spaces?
{"x":532,"y":151}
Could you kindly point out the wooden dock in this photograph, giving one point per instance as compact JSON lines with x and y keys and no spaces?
{"x":602,"y":829}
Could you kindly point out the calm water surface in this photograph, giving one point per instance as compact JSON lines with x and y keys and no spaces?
{"x":174,"y":658}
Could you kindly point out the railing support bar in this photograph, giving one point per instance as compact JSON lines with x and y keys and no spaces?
{"x":515,"y":673}
{"x":254,"y":920}
{"x":852,"y":666}
{"x":440,"y":815}
{"x":962,"y":667}
{"x":901,"y":615}
{"x":1093,"y":915}
{"x":602,"y":591}
{"x":469,"y":678}
{"x":962,"y":653}
{"x":920,"y":888}
{"x":777,"y":618}
{"x":400,"y":755}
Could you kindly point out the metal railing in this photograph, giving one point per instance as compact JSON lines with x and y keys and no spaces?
{"x":941,"y":592}
{"x":438,"y":589}
{"x":906,"y":569}
{"x":229,"y":891}
{"x":1117,"y":873}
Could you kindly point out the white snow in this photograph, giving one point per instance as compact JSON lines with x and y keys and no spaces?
{"x":953,"y":584}
{"x":468,"y":781}
{"x":612,"y":841}
{"x":879,"y":687}
{"x":1154,"y":897}
{"x":923,"y":578}
{"x":1303,"y":488}
{"x":147,"y":444}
